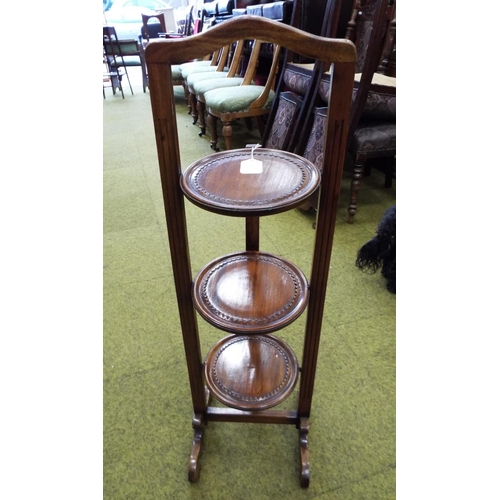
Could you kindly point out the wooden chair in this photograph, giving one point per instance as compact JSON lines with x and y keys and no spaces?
{"x":111,"y":79}
{"x":114,"y":57}
{"x":239,"y":74}
{"x":280,"y":129}
{"x":243,"y":101}
{"x":373,"y":138}
{"x":159,"y":29}
{"x":178,"y":78}
{"x":372,"y":129}
{"x":189,"y":27}
{"x":388,"y":63}
{"x":211,"y":63}
{"x":372,"y":123}
{"x":188,"y":30}
{"x":123,"y":54}
{"x":322,"y":18}
{"x":216,"y":62}
{"x":149,"y":30}
{"x":160,"y":56}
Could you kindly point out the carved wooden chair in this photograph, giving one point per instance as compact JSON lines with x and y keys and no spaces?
{"x":196,"y":79}
{"x":280,"y":129}
{"x":178,"y":78}
{"x":321,"y":18}
{"x":372,"y":123}
{"x":372,"y":130}
{"x":239,"y":74}
{"x":217,"y":62}
{"x":211,"y":63}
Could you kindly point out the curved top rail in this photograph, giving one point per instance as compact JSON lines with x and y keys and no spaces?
{"x":176,"y":51}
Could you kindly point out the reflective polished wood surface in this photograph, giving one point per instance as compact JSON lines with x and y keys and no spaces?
{"x":251,"y":373}
{"x":250,"y":292}
{"x":216,"y":184}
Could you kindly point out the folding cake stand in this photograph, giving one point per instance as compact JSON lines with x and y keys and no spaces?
{"x":250,"y":294}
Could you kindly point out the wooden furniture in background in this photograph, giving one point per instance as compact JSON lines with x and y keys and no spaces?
{"x":121,"y":54}
{"x":160,"y":17}
{"x":198,"y":84}
{"x":250,"y":293}
{"x":242,"y":101}
{"x":325,"y":22}
{"x":372,"y":122}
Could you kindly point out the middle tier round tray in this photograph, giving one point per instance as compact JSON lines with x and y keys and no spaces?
{"x":216,"y":184}
{"x":250,"y":293}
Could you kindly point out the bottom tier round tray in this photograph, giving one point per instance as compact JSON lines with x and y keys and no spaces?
{"x":251,"y":372}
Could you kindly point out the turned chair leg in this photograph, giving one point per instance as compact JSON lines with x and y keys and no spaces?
{"x":355,"y":185}
{"x":194,"y":107}
{"x":201,"y":116}
{"x":212,"y":123}
{"x":227,"y":132}
{"x":186,"y":95}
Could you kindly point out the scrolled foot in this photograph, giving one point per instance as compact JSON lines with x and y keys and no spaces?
{"x":194,"y":465}
{"x":305,"y":468}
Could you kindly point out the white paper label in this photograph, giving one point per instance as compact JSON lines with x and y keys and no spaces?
{"x":251,"y":166}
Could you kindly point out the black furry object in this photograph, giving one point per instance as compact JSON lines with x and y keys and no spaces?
{"x":380,"y":251}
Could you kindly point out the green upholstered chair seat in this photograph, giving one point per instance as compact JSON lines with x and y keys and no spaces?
{"x":201,"y":69}
{"x":127,"y":61}
{"x":193,"y":63}
{"x":194,"y":78}
{"x":235,"y":99}
{"x":176,"y":73}
{"x":202,"y":87}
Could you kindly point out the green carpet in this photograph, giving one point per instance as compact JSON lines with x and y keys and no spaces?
{"x":147,"y":404}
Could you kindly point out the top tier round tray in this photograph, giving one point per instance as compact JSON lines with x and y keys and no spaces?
{"x":215,"y":183}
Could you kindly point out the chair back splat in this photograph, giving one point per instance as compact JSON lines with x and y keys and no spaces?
{"x":159,"y":27}
{"x":340,"y":56}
